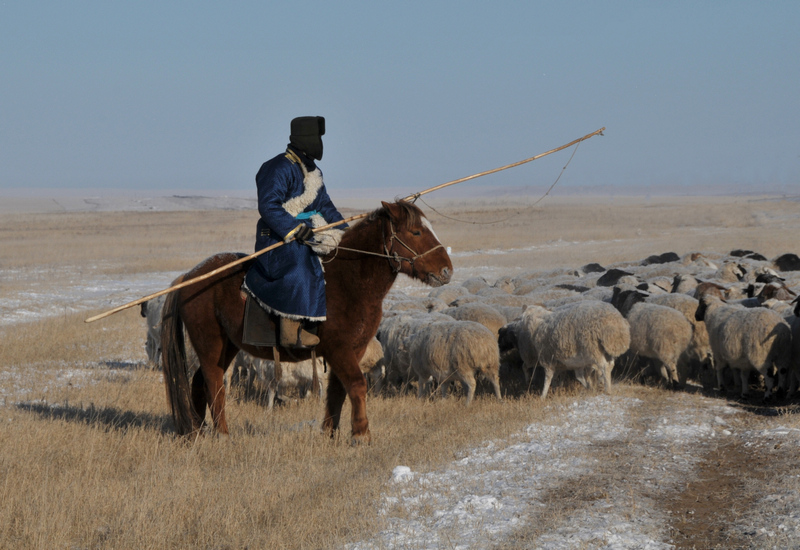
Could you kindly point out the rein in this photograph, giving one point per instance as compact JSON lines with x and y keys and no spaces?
{"x":390,"y":254}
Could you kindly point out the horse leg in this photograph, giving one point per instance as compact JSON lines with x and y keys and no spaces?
{"x":199,"y":402}
{"x":333,"y":405}
{"x":357,"y":392}
{"x":213,"y":370}
{"x":215,"y":396}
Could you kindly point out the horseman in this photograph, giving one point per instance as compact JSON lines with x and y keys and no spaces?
{"x":288,"y":281}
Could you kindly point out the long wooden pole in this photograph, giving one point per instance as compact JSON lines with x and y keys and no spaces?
{"x":323,"y":228}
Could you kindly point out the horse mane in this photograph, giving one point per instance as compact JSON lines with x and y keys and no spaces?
{"x":412,"y":213}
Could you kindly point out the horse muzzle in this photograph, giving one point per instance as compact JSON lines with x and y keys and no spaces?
{"x":442,"y":278}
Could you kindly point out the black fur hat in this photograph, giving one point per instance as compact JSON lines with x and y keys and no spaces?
{"x":306,"y":135}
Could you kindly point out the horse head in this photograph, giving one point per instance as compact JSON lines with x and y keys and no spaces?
{"x":413,"y":247}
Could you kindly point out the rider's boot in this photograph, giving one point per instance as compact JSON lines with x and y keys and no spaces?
{"x":294,"y":336}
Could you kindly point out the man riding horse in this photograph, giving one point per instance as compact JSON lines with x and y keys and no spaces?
{"x":288,"y":281}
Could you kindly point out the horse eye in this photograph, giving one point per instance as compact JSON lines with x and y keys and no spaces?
{"x":416,"y":233}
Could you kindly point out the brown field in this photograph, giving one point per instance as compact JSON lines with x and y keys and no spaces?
{"x":87,"y":454}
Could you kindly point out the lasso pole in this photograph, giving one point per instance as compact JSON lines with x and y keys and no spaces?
{"x":324,"y":227}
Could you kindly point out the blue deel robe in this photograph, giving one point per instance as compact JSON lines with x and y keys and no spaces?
{"x":289,"y":280}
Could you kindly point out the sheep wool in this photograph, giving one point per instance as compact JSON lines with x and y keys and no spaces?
{"x":583,"y":336}
{"x":448,"y":351}
{"x":747,"y":339}
{"x":657,"y":332}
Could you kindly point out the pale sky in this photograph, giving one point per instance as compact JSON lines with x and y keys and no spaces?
{"x":195,"y":95}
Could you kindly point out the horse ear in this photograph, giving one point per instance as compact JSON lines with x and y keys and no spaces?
{"x":388,"y":207}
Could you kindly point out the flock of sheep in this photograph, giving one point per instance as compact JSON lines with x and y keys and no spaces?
{"x":719,"y":320}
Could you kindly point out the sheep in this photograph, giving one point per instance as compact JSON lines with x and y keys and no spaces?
{"x":698,"y":354}
{"x":506,"y":284}
{"x":699,"y":260}
{"x":391,"y":333}
{"x":776,"y":290}
{"x":251,"y":374}
{"x":480,"y":313}
{"x":658,"y":332}
{"x":794,"y":375}
{"x":613,"y":276}
{"x":454,"y":350}
{"x":373,"y":365}
{"x":583,"y":337}
{"x":448,"y":293}
{"x":592,"y":268}
{"x":475,"y":284}
{"x":666,"y":257}
{"x":730,"y":272}
{"x":787,"y":262}
{"x":745,"y":339}
{"x":684,"y":284}
{"x":151,"y":310}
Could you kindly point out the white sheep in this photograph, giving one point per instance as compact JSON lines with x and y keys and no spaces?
{"x":731,"y":272}
{"x":448,"y":351}
{"x":448,"y":293}
{"x":793,"y":380}
{"x":584,"y":337}
{"x":479,"y":312}
{"x":391,"y":333}
{"x":746,"y":339}
{"x":657,"y":332}
{"x":252,"y":375}
{"x":373,"y":365}
{"x":698,"y":355}
{"x":151,"y":311}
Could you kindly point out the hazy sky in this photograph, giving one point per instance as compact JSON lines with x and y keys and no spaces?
{"x":195,"y":95}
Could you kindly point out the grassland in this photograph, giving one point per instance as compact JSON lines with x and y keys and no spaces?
{"x":88,"y":458}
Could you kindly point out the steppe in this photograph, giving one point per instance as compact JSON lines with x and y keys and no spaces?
{"x":88,"y":458}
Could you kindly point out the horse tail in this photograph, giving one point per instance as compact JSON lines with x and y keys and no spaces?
{"x":176,"y":380}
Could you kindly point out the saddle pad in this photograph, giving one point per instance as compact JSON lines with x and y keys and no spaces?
{"x":259,"y":329}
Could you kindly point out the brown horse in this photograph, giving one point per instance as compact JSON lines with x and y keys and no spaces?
{"x":396,"y":238}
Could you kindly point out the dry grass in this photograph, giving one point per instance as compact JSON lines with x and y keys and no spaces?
{"x":94,"y":464}
{"x":87,"y":455}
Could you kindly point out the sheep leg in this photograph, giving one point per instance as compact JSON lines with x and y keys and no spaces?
{"x":494,"y":378}
{"x":152,"y":350}
{"x":673,"y":380}
{"x":662,"y":369}
{"x":250,"y":381}
{"x":606,"y":367}
{"x":721,"y":376}
{"x":528,"y":372}
{"x":423,"y":388}
{"x":548,"y":377}
{"x":272,"y":390}
{"x":378,"y":378}
{"x":468,"y":380}
{"x":580,"y":376}
{"x":444,"y":388}
{"x":769,"y":385}
{"x":745,"y":378}
{"x":794,"y":382}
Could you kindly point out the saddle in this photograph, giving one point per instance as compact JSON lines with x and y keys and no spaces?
{"x":260,"y":328}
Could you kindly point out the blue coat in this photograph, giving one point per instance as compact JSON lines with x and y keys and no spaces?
{"x":289,"y":280}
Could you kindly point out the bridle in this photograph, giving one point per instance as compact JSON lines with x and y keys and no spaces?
{"x":395,"y":259}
